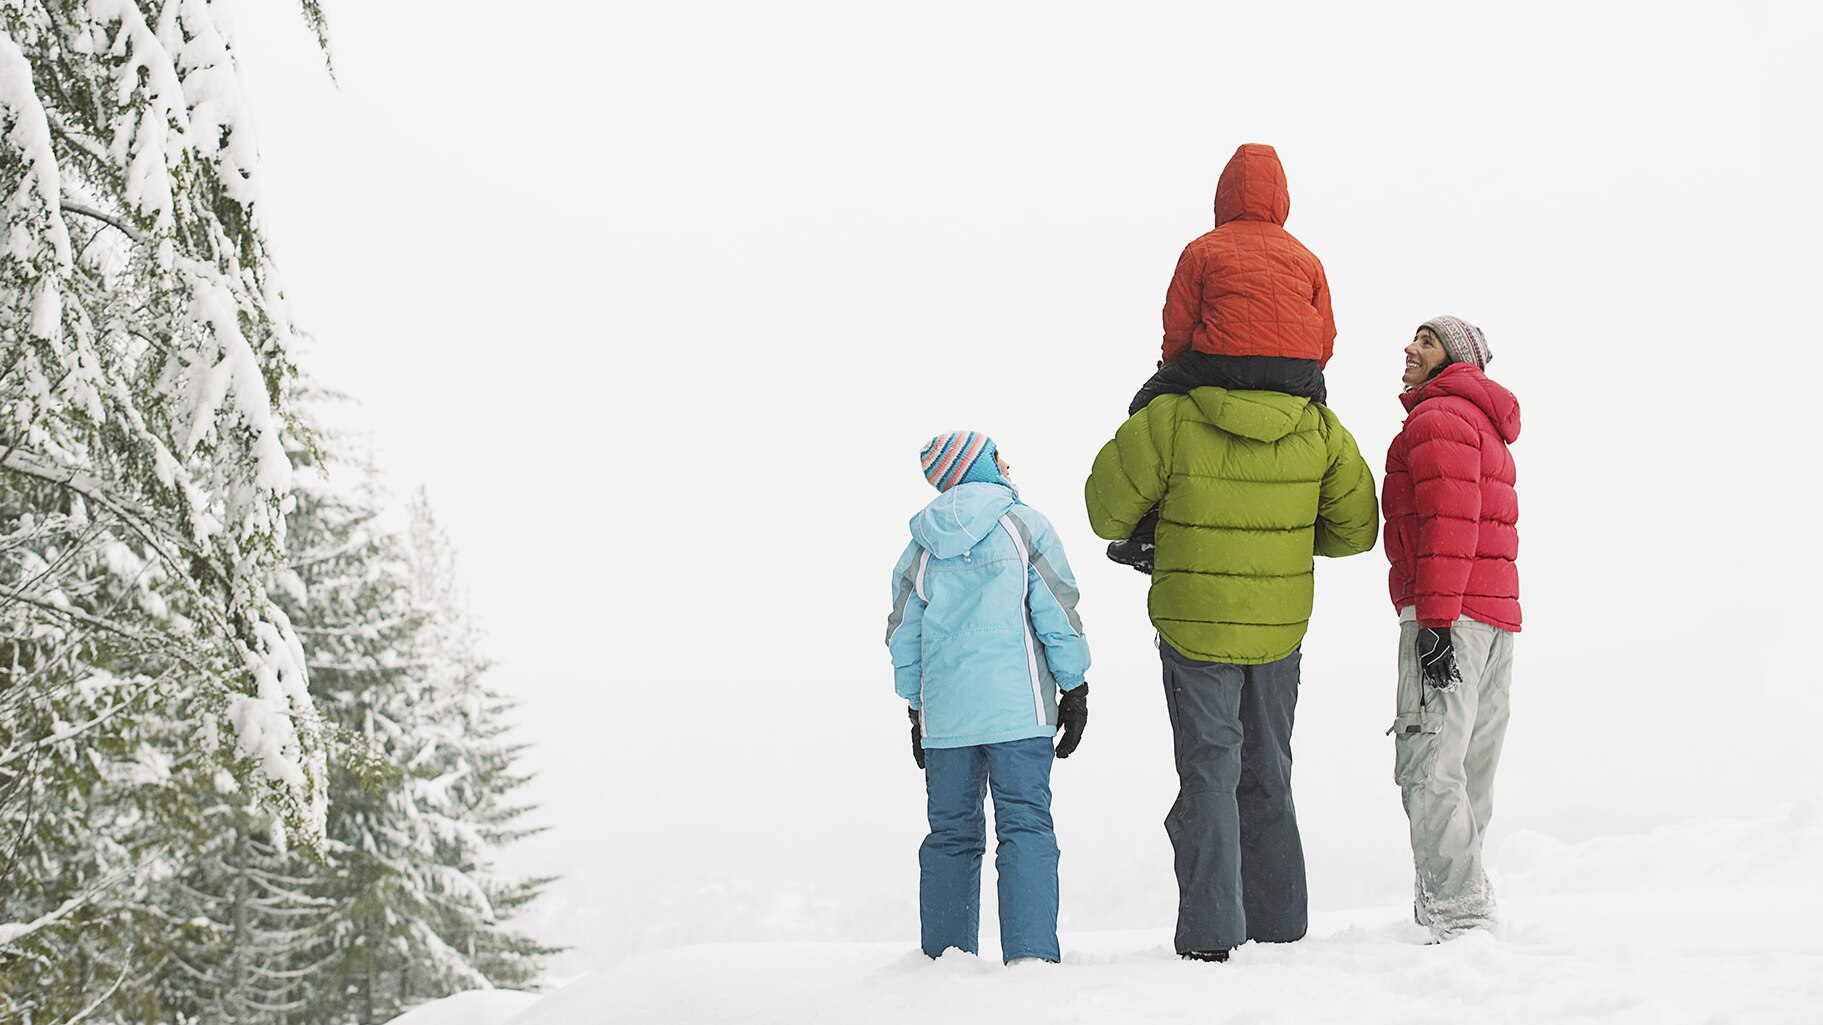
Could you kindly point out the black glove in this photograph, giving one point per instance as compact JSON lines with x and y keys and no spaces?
{"x":1437,"y":658}
{"x":917,"y":737}
{"x":1072,"y":716}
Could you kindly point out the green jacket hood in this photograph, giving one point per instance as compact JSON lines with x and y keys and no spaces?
{"x":1260,"y":415}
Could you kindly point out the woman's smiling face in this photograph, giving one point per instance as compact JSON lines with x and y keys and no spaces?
{"x":1422,"y":357}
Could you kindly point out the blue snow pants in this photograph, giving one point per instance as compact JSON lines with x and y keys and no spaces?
{"x":956,"y":779}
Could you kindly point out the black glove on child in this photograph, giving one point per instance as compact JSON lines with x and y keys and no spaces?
{"x":917,"y":737}
{"x":1437,"y":658}
{"x":1072,"y":716}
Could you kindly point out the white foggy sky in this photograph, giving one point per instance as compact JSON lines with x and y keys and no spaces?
{"x":660,"y":301}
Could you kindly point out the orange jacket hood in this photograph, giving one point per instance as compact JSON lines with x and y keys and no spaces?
{"x":1252,"y":187}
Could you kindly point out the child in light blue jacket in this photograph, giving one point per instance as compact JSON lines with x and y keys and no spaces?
{"x":984,"y":635}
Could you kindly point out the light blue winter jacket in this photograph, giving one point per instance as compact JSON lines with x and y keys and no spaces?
{"x":984,"y":629}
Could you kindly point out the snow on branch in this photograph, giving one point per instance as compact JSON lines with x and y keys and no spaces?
{"x":150,"y":136}
{"x":13,"y":932}
{"x":33,"y":212}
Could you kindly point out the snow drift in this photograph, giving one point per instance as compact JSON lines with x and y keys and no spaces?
{"x":1708,"y":923}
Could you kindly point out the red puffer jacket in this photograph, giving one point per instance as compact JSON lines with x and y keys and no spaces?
{"x":1248,"y":288}
{"x":1451,"y":512}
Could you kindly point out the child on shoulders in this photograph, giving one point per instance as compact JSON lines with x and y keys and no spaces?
{"x":1247,"y":309}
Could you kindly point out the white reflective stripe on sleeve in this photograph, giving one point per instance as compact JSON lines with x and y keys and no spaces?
{"x":918,"y":584}
{"x":1025,"y":617}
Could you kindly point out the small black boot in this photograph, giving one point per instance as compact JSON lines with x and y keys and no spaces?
{"x":1212,"y":956}
{"x":1136,"y":551}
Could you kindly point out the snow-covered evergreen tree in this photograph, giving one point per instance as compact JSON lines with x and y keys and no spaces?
{"x":144,"y":362}
{"x":421,"y":786}
{"x":248,"y":922}
{"x":477,"y":767}
{"x":350,"y":591}
{"x":403,"y":906}
{"x":171,"y":546}
{"x":144,"y":358}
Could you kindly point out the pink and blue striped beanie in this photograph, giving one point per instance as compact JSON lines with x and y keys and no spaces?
{"x":959,"y":457}
{"x":1462,"y":340}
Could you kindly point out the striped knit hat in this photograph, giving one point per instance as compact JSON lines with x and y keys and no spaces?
{"x":1462,"y":340}
{"x":959,"y":457}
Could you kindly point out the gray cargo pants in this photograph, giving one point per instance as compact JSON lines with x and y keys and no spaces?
{"x":1239,"y":859}
{"x":1446,"y":748}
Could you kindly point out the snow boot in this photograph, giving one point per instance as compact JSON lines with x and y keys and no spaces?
{"x":1212,"y":956}
{"x":1136,"y":551}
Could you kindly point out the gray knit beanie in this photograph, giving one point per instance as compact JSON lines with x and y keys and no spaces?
{"x":1462,"y":340}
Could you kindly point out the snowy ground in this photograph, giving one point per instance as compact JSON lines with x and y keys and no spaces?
{"x":476,"y":1007}
{"x":1711,"y":922}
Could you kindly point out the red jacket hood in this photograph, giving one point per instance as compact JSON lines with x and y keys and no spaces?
{"x":1252,"y":187}
{"x":1466,"y":381}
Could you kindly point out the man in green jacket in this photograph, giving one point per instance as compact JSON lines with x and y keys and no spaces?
{"x":1250,"y":486}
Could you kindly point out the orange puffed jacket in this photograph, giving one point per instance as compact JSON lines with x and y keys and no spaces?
{"x":1249,"y":288}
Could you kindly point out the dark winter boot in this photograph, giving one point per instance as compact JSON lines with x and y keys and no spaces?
{"x":1136,"y":551}
{"x":1212,"y":956}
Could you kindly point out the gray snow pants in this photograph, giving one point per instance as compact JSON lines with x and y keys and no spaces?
{"x":1446,"y":748}
{"x":1239,"y":859}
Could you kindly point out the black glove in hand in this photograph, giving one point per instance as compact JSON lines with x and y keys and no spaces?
{"x":1437,"y":658}
{"x":1072,"y":716}
{"x":917,"y":737}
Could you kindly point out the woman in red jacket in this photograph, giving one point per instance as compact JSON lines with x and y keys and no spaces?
{"x":1452,"y":537}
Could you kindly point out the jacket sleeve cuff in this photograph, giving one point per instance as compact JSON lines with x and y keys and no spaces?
{"x":1438,"y":610}
{"x":905,"y":684}
{"x":1067,"y":683}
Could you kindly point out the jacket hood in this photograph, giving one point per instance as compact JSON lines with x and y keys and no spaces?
{"x":958,"y":519}
{"x":1467,"y":381}
{"x":1252,"y":187}
{"x":1260,"y":415}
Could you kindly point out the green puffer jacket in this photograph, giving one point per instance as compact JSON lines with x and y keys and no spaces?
{"x":1251,"y":485}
